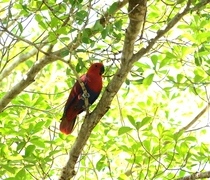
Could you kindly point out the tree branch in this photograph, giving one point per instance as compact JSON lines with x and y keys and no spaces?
{"x":106,"y":16}
{"x":111,"y":90}
{"x":199,"y":175}
{"x":20,"y":59}
{"x":195,"y":119}
{"x":24,"y":40}
{"x":136,"y":14}
{"x":169,"y":26}
{"x":30,"y":77}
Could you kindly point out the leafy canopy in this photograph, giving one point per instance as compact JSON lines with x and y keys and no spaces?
{"x":144,"y":133}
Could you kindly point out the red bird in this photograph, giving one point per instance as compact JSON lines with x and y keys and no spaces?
{"x":75,"y":103}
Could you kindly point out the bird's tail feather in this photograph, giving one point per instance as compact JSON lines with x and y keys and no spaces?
{"x":66,"y":126}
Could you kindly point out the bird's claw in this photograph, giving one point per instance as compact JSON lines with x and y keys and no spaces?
{"x":85,"y":96}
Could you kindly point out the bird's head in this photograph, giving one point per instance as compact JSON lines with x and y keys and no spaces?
{"x":96,"y":68}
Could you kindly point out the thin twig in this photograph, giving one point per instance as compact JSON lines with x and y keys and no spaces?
{"x":195,"y":119}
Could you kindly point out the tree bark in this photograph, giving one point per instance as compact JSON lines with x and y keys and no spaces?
{"x":137,"y":11}
{"x":200,"y":175}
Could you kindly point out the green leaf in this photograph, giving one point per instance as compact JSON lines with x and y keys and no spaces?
{"x":100,"y":163}
{"x":113,"y":8}
{"x":21,"y":175}
{"x":179,"y":78}
{"x":87,"y":32}
{"x":142,"y":65}
{"x":64,"y":53}
{"x":160,"y":129}
{"x":118,"y":24}
{"x":180,"y":1}
{"x":64,"y":39}
{"x":204,"y":147}
{"x":20,"y":27}
{"x":4,"y":150}
{"x":176,"y":136}
{"x":24,"y":99}
{"x":14,"y":157}
{"x":54,"y":22}
{"x":132,"y":120}
{"x":29,"y":150}
{"x":80,"y":16}
{"x":38,"y":142}
{"x":198,"y":78}
{"x":123,"y":130}
{"x":170,"y":55}
{"x":104,"y":33}
{"x":198,"y":61}
{"x":38,"y":126}
{"x":62,"y":30}
{"x":190,"y":138}
{"x":8,"y":168}
{"x":98,"y":26}
{"x":148,"y":80}
{"x":38,"y":101}
{"x":154,"y":59}
{"x":138,"y":81}
{"x":164,"y":62}
{"x":143,"y":122}
{"x":183,"y":148}
{"x":40,"y":21}
{"x":147,"y":144}
{"x":11,"y":178}
{"x":21,"y":145}
{"x":127,"y":82}
{"x":86,"y":40}
{"x":52,"y":37}
{"x":80,"y":65}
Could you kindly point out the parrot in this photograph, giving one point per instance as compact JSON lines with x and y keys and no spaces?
{"x":75,"y":103}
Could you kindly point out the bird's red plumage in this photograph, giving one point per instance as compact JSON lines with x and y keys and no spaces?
{"x":75,"y":104}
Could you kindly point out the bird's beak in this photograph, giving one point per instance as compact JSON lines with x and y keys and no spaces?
{"x":102,"y":70}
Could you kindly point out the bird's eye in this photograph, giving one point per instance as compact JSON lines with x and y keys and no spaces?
{"x":96,"y":65}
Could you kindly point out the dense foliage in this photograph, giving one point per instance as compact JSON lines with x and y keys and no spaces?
{"x":144,"y":135}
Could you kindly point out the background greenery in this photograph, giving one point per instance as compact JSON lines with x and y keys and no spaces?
{"x":144,"y":133}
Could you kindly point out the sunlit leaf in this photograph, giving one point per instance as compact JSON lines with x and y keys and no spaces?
{"x":100,"y":163}
{"x":38,"y":142}
{"x":123,"y":130}
{"x":132,"y":120}
{"x":148,"y":80}
{"x":29,"y":150}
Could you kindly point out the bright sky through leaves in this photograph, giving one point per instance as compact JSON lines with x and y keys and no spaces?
{"x":156,"y":82}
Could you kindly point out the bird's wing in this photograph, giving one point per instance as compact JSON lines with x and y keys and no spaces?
{"x":75,"y":94}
